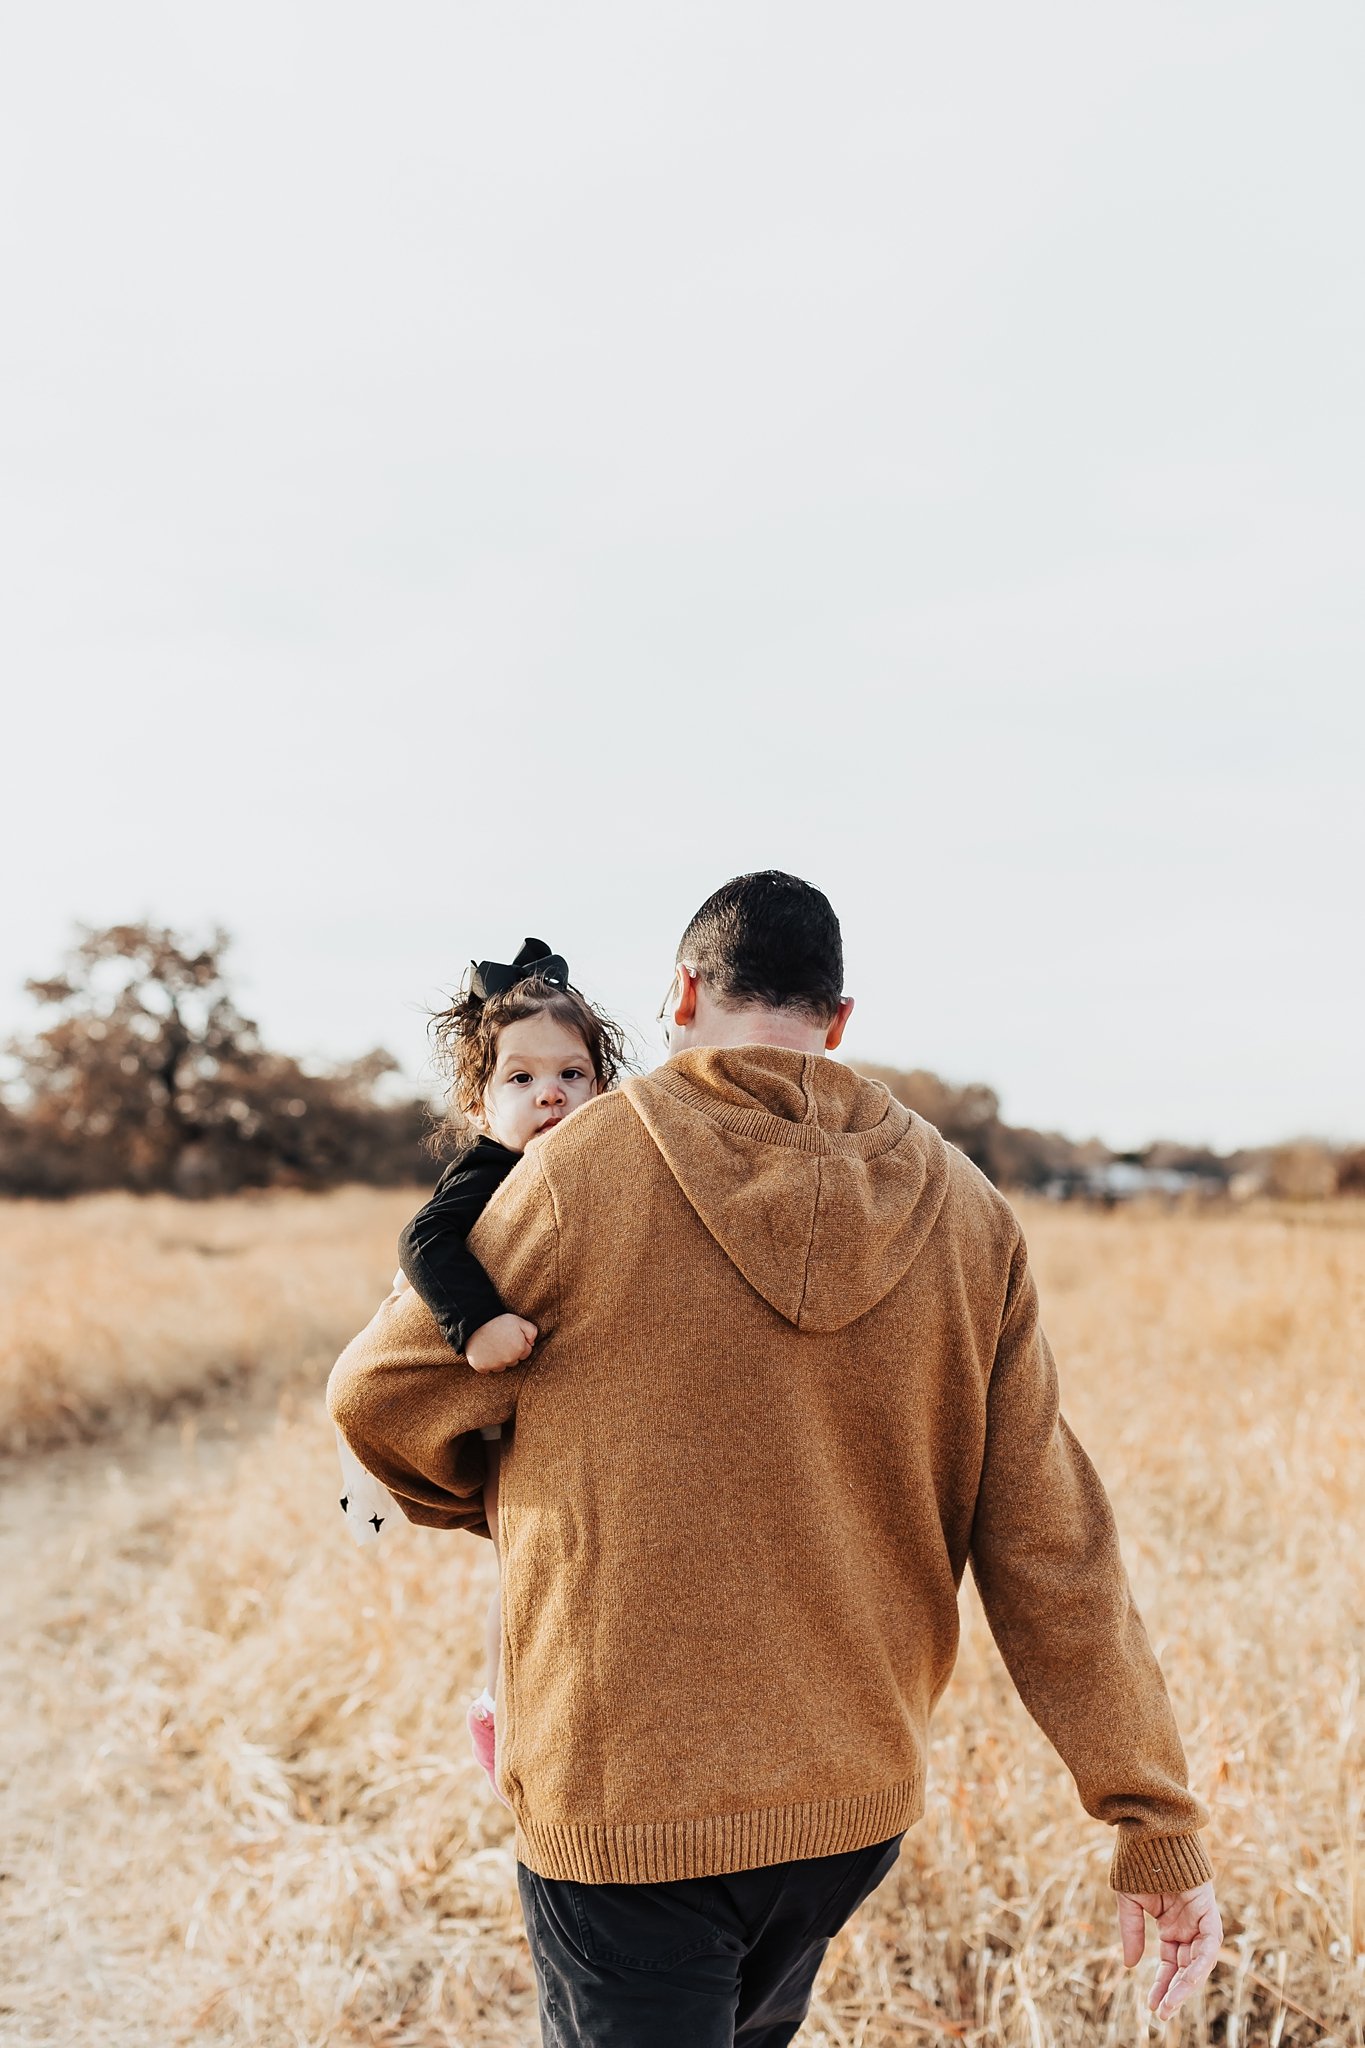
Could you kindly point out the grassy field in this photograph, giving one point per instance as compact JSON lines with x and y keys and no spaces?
{"x":235,"y":1800}
{"x":114,"y":1307}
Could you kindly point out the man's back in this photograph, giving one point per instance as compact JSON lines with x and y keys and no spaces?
{"x":790,"y":1380}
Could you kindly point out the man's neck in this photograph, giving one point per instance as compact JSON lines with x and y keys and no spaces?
{"x":758,"y":1026}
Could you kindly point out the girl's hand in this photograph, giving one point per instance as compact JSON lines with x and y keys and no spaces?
{"x":507,"y":1340}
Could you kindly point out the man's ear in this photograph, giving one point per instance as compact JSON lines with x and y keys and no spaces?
{"x":836,"y":1029}
{"x":683,"y":995}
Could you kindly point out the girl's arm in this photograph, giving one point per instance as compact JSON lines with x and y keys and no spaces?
{"x":410,"y":1414}
{"x":435,"y":1257}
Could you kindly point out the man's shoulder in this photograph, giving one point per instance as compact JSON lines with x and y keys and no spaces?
{"x":974,"y":1208}
{"x":593,"y":1151}
{"x":596,"y":1121}
{"x":607,"y":1120}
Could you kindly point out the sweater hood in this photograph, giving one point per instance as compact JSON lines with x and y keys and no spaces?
{"x":818,"y":1185}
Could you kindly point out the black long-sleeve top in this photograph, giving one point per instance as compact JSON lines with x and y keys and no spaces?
{"x":432,"y":1249}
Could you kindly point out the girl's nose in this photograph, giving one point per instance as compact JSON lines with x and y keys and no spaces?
{"x":553,"y":1091}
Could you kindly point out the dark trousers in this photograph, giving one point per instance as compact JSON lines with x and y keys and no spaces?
{"x":700,"y":1962}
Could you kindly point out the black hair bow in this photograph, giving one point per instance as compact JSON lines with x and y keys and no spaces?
{"x":534,"y":961}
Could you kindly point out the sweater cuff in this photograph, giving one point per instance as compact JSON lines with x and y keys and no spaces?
{"x":1158,"y":1863}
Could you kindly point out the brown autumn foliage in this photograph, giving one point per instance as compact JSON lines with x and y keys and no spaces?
{"x":1304,"y":1171}
{"x":969,"y":1117}
{"x":146,"y":1075}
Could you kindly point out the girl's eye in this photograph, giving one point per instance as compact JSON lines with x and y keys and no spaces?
{"x":573,"y":1074}
{"x":518,"y":1077}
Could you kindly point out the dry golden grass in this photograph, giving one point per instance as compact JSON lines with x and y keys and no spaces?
{"x":114,"y":1304}
{"x":240,"y":1810}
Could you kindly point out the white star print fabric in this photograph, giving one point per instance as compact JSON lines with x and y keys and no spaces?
{"x":366,"y":1504}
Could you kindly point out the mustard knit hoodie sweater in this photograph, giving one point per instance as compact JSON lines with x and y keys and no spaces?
{"x":790,"y":1383}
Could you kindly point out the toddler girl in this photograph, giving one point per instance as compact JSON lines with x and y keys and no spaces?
{"x":524,"y":1050}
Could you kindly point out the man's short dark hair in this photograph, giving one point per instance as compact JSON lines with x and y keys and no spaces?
{"x":771,"y":939}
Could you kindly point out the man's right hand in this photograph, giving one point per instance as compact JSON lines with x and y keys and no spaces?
{"x":1191,"y":1932}
{"x":506,"y":1340}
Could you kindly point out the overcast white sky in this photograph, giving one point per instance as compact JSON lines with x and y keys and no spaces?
{"x":469,"y":472}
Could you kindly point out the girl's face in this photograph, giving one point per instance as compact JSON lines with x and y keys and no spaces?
{"x":543,"y":1072}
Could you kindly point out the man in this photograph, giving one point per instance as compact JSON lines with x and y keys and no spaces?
{"x":790,"y":1382}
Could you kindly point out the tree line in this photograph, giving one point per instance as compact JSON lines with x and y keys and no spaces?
{"x":144,"y":1073}
{"x":1014,"y":1156}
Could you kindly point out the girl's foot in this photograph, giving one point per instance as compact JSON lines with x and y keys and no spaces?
{"x":483,"y":1735}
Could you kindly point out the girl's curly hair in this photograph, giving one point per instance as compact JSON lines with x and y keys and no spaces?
{"x":465,"y":1037}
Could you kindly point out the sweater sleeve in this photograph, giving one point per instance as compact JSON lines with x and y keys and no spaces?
{"x":1046,"y":1561}
{"x":410,"y":1410}
{"x":438,"y":1262}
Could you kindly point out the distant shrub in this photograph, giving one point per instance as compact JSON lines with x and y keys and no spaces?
{"x":969,"y":1117}
{"x":1305,"y":1171}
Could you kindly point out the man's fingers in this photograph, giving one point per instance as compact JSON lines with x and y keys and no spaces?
{"x":1181,"y":1985}
{"x":1196,"y":1961}
{"x":1165,"y":1974}
{"x":1191,"y":1931}
{"x":1132,"y":1929}
{"x":1204,"y":1952}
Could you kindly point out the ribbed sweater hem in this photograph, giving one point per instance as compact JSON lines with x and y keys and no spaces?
{"x":652,"y":1852}
{"x":1158,"y":1863}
